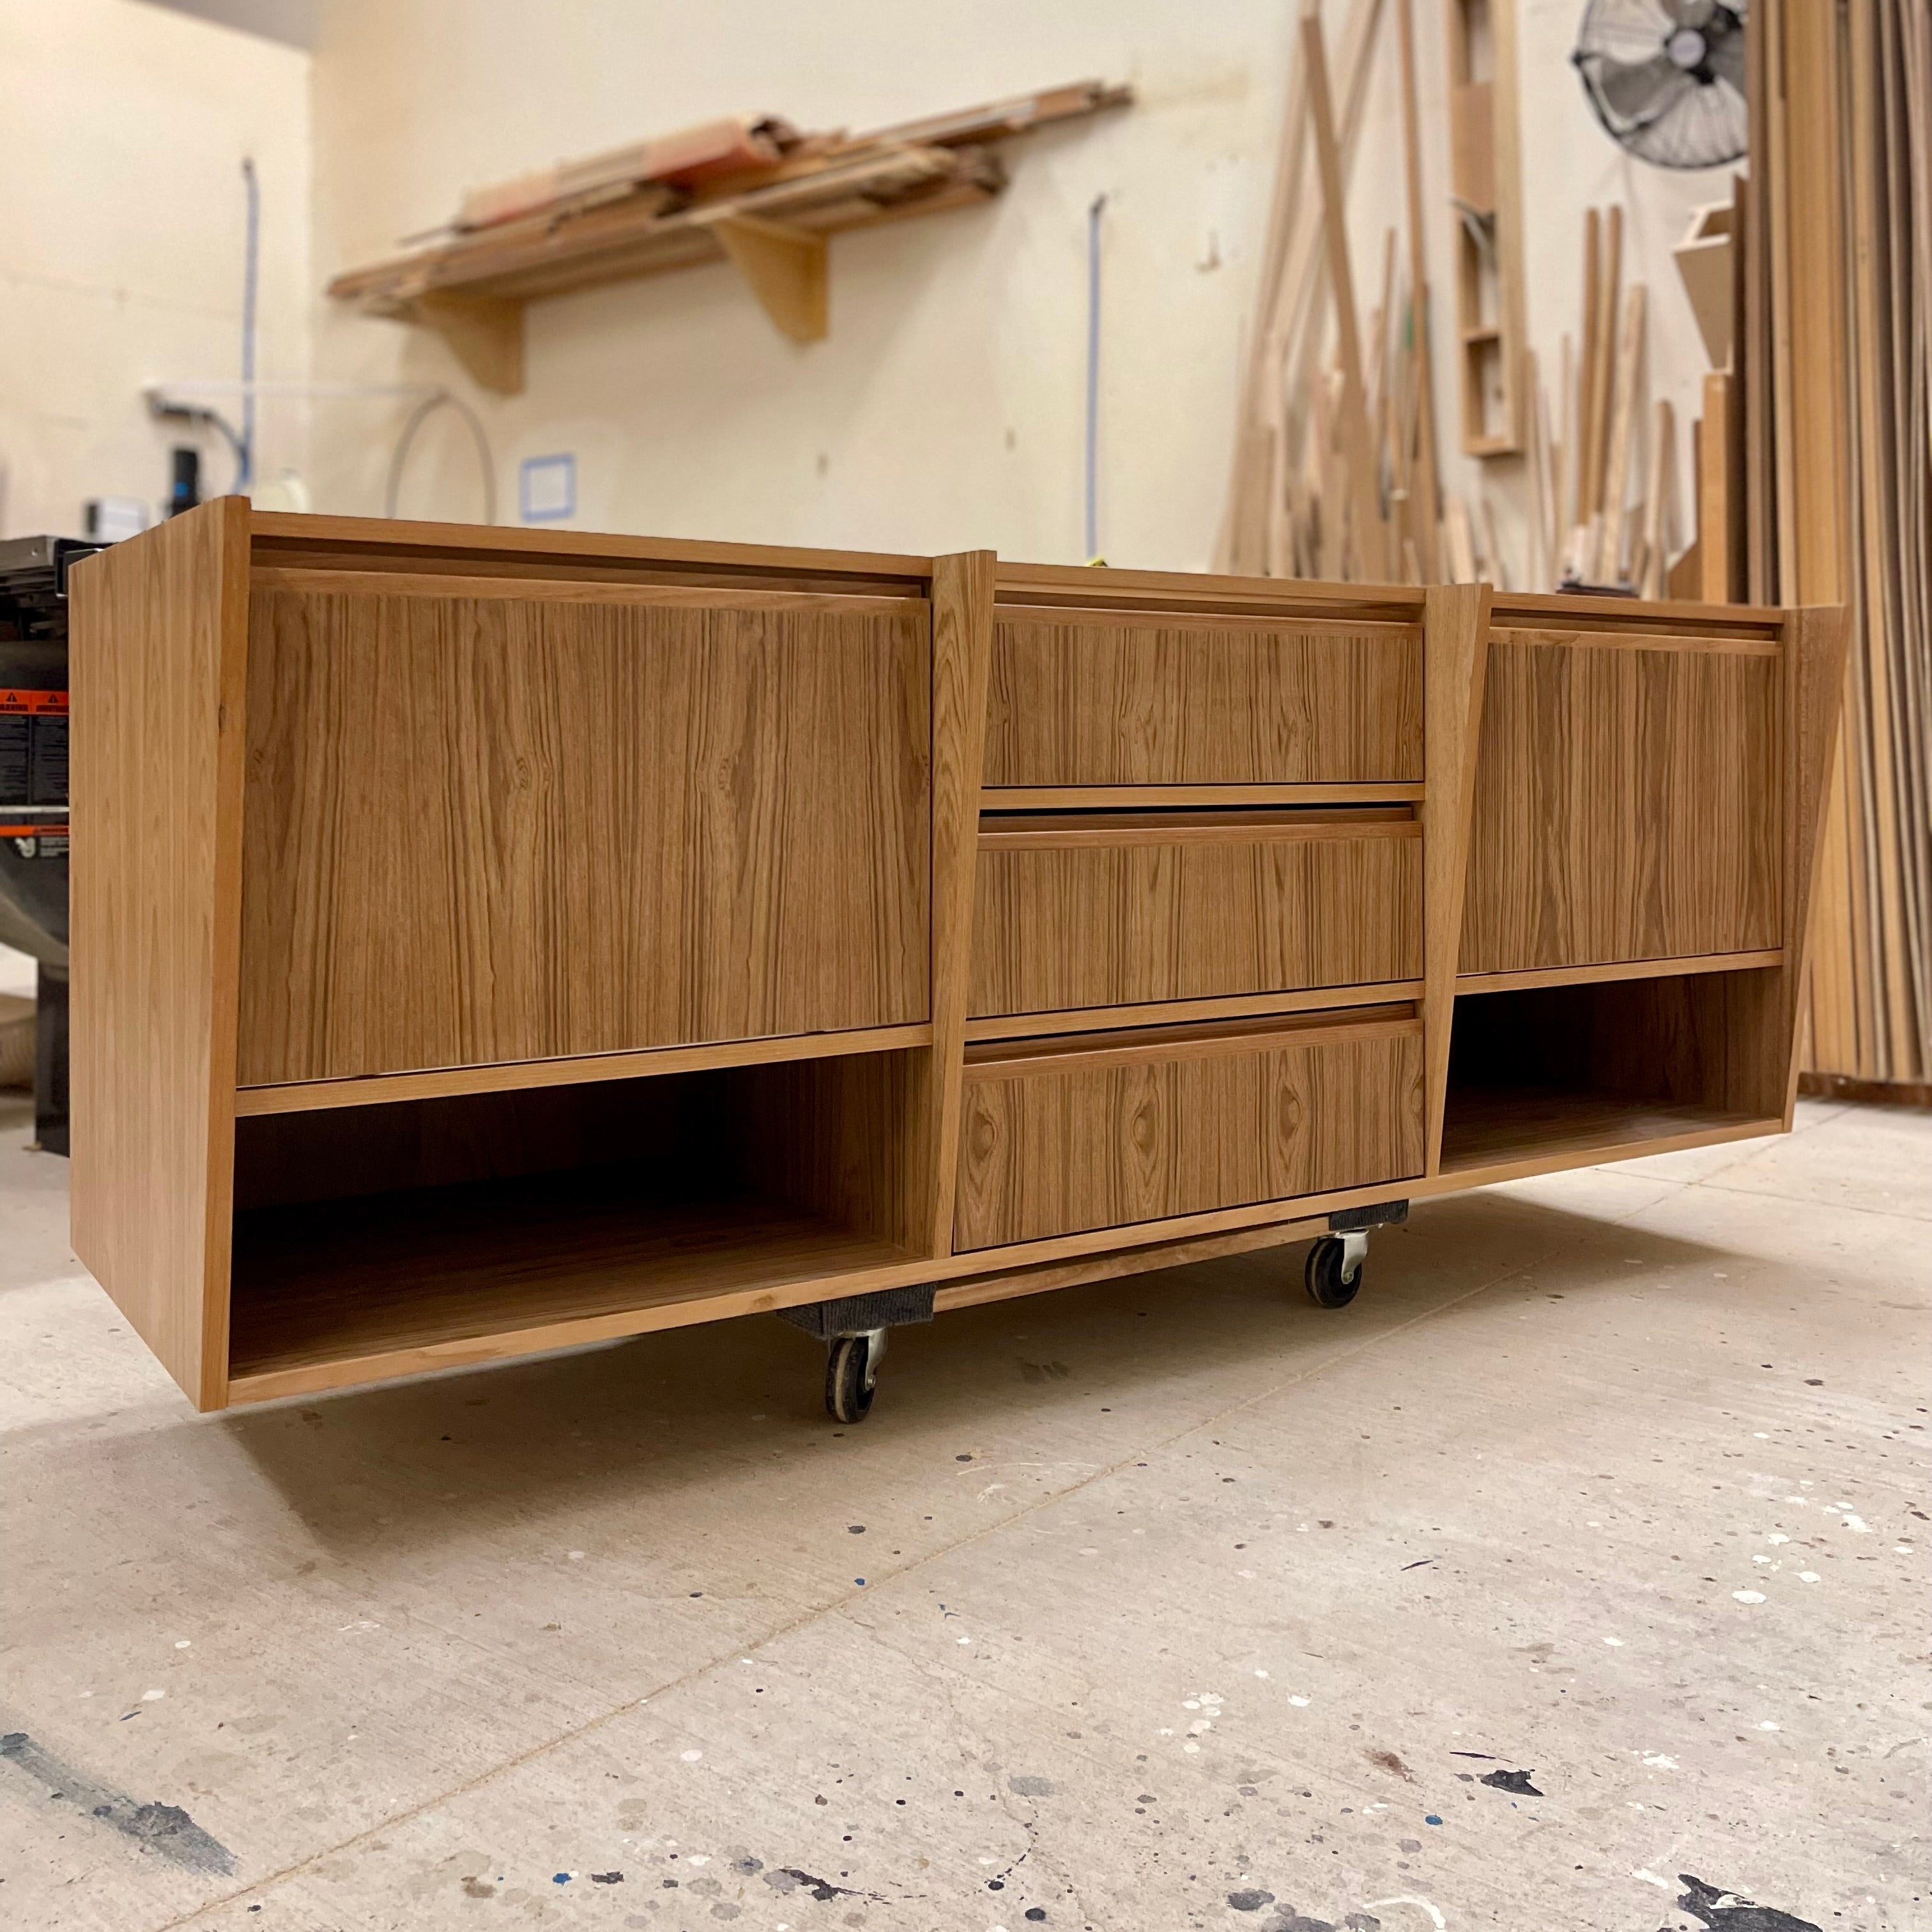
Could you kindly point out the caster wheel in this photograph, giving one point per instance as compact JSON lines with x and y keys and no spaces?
{"x":1332,"y":1274}
{"x":850,"y":1369}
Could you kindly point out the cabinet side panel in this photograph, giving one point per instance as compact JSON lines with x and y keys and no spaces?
{"x":1629,"y":805}
{"x":485,"y":830}
{"x":159,"y":645}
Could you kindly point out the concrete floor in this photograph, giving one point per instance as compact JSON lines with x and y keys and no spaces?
{"x":1589,"y":1549}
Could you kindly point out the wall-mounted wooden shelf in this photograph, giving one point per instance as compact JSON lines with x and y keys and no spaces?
{"x":772,"y":224}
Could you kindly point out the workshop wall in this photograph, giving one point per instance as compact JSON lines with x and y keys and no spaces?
{"x":946,"y":407}
{"x":122,"y":129}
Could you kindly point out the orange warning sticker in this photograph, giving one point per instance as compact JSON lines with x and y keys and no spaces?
{"x":33,"y":703}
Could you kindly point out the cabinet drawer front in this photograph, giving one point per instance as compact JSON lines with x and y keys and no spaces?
{"x":1629,"y":802}
{"x":1104,"y":698}
{"x":1071,"y":1136}
{"x":1116,"y":911}
{"x":484,"y":830}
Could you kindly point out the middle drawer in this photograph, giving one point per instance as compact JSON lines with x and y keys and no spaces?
{"x":1130,"y":908}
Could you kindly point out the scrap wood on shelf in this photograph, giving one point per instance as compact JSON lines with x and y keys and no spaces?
{"x":754,"y":191}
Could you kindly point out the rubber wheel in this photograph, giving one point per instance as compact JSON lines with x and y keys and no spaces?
{"x":1323,"y":1274}
{"x":848,"y":1383}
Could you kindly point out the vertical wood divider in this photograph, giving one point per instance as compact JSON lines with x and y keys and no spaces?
{"x":1816,"y":641}
{"x":962,"y":653}
{"x":1456,"y":649}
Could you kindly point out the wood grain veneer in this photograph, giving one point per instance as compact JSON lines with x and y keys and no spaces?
{"x":1088,"y":697}
{"x":1456,"y":627}
{"x":481,"y":830}
{"x":962,"y":639}
{"x":1058,"y":1142}
{"x":1629,"y":805}
{"x":1120,"y":910}
{"x":159,"y":643}
{"x":390,"y":885}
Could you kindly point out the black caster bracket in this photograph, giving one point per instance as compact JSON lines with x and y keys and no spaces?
{"x":1333,"y":1273}
{"x":854,"y":1329}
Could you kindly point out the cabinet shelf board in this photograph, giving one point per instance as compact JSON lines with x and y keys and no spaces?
{"x":335,"y":1292}
{"x":1618,"y":969}
{"x":1492,"y":1128}
{"x":377,"y":1089}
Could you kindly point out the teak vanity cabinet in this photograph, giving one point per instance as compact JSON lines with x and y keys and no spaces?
{"x":487,"y":940}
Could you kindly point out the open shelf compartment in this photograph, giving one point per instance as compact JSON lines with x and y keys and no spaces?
{"x":1560,"y":1074}
{"x":378,"y":1240}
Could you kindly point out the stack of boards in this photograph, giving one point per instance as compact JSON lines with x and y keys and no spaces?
{"x":1838,"y":355}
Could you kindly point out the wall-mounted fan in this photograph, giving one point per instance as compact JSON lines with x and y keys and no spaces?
{"x":1666,"y":78}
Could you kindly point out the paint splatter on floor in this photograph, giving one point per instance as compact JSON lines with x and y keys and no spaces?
{"x":1725,"y":1912}
{"x":166,"y":1830}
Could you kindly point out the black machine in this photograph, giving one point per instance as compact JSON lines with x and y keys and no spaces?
{"x":34,"y":797}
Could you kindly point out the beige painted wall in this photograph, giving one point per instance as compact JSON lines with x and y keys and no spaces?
{"x":946,"y":409}
{"x":122,"y":128}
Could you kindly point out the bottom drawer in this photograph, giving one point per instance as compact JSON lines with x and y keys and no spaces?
{"x":1064,"y":1135}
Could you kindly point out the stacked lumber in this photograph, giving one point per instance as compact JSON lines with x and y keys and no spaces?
{"x":1837,"y":399}
{"x":753,"y":190}
{"x":1608,"y":542}
{"x":1334,"y":473}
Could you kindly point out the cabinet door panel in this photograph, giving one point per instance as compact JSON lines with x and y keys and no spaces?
{"x":489,"y":829}
{"x":1629,"y":803}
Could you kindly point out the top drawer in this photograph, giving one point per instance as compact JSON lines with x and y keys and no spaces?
{"x":1106,"y":697}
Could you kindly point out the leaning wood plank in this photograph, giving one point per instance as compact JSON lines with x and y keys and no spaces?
{"x":1585,"y":467}
{"x":160,"y":643}
{"x":1456,"y":632}
{"x":1242,"y":545}
{"x":1506,"y":122}
{"x":1661,"y":472}
{"x":1714,"y":488}
{"x":1367,"y":535}
{"x":1295,"y":362}
{"x":1425,"y":482}
{"x":1609,"y":288}
{"x":1616,"y":474}
{"x":962,"y":650}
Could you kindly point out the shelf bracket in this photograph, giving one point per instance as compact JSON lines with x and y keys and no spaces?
{"x":484,"y":333}
{"x":785,"y":269}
